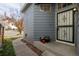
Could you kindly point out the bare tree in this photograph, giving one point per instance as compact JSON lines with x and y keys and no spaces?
{"x":19,"y":25}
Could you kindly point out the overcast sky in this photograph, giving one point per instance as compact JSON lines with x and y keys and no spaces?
{"x":10,"y":8}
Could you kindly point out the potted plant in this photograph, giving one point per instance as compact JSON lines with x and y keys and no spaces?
{"x":45,"y":39}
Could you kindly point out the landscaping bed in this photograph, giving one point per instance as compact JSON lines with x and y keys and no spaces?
{"x":34,"y":48}
{"x":7,"y":49}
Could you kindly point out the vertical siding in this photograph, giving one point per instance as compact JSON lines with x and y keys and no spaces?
{"x":44,"y":23}
{"x":28,"y":22}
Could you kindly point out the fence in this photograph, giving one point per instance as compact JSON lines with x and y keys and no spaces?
{"x":1,"y":35}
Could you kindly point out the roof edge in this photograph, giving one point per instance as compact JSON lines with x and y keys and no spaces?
{"x":25,"y":7}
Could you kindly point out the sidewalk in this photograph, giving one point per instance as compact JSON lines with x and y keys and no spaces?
{"x":21,"y":49}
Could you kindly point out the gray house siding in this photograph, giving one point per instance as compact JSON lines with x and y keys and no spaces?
{"x":28,"y":22}
{"x":39,"y":23}
{"x":77,"y":31}
{"x":44,"y":23}
{"x":77,"y":34}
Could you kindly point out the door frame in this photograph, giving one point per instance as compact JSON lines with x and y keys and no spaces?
{"x":64,"y":26}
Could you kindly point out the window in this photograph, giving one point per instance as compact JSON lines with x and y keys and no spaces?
{"x":59,"y":5}
{"x":66,"y":4}
{"x":62,"y":5}
{"x":45,"y":7}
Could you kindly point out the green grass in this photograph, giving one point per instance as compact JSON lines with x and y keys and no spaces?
{"x":7,"y":49}
{"x":1,"y":52}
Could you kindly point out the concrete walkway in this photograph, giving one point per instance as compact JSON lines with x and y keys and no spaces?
{"x":21,"y":49}
{"x":56,"y":48}
{"x":49,"y":49}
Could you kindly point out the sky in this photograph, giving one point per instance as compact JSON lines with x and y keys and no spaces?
{"x":10,"y":9}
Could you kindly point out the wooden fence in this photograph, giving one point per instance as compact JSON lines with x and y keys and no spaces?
{"x":1,"y":35}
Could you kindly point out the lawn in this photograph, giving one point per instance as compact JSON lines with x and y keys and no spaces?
{"x":7,"y":49}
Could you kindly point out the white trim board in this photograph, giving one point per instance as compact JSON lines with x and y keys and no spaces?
{"x":72,"y":44}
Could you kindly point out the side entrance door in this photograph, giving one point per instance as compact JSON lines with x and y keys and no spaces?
{"x":65,"y":26}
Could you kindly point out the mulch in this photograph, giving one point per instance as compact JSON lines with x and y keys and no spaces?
{"x":35,"y":49}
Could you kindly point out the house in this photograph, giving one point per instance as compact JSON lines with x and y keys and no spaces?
{"x":59,"y":21}
{"x":9,"y":23}
{"x":38,"y":27}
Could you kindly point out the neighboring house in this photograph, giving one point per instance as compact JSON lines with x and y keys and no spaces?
{"x":9,"y":23}
{"x":59,"y":21}
{"x":1,"y":19}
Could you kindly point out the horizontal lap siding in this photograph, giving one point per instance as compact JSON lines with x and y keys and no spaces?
{"x":44,"y":23}
{"x":28,"y":21}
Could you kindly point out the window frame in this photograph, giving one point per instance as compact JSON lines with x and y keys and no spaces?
{"x":45,"y":7}
{"x":63,"y":5}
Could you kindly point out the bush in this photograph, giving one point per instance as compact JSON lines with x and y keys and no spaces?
{"x":8,"y":49}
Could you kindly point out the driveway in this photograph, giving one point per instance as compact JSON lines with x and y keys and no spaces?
{"x":11,"y":33}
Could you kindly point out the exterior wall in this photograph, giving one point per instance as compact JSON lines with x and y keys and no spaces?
{"x":28,"y":22}
{"x":76,"y":23}
{"x":38,"y":23}
{"x":64,"y":9}
{"x":77,"y":31}
{"x":44,"y":23}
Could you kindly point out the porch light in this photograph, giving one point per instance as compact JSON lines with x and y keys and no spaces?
{"x":75,"y":9}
